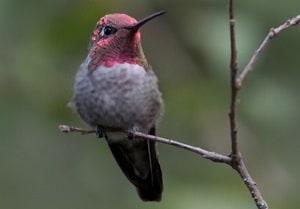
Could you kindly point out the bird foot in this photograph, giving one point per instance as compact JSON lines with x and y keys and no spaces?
{"x":99,"y":131}
{"x":131,"y":132}
{"x":130,"y":135}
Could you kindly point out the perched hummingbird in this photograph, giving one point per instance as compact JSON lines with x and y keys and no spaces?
{"x":115,"y":90}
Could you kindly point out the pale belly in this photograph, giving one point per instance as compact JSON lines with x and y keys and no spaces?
{"x":124,"y":96}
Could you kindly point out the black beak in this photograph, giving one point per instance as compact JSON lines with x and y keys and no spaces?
{"x":136,"y":26}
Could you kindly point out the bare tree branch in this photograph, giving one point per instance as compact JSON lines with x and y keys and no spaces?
{"x":234,"y":90}
{"x":236,"y":84}
{"x":272,"y":33}
{"x":213,"y":156}
{"x":237,"y":162}
{"x":216,"y":157}
{"x":251,"y":185}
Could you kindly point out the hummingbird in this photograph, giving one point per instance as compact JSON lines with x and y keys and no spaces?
{"x":115,"y":89}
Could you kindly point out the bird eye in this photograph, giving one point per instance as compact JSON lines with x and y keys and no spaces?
{"x":107,"y":30}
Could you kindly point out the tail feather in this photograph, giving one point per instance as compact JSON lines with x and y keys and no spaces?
{"x":138,"y":160}
{"x":152,"y":187}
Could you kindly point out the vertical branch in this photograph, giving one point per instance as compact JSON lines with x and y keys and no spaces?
{"x":234,"y":90}
{"x":237,"y":162}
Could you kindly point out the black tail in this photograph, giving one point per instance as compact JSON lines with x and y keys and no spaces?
{"x":138,"y":160}
{"x":152,"y":187}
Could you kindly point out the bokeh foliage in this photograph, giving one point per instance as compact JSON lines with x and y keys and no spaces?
{"x":44,"y":42}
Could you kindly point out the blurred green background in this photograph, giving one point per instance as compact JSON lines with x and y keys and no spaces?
{"x":44,"y":42}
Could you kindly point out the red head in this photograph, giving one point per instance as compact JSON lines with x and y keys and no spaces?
{"x":116,"y":38}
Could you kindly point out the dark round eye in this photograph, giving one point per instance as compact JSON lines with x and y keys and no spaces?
{"x":107,"y":30}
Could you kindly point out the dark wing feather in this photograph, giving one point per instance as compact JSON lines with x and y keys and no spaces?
{"x":138,"y":160}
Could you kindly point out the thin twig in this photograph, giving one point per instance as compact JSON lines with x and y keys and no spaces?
{"x":237,"y":162}
{"x":68,"y":129}
{"x":234,"y":90}
{"x":272,"y":33}
{"x":213,"y":156}
{"x":251,"y":185}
